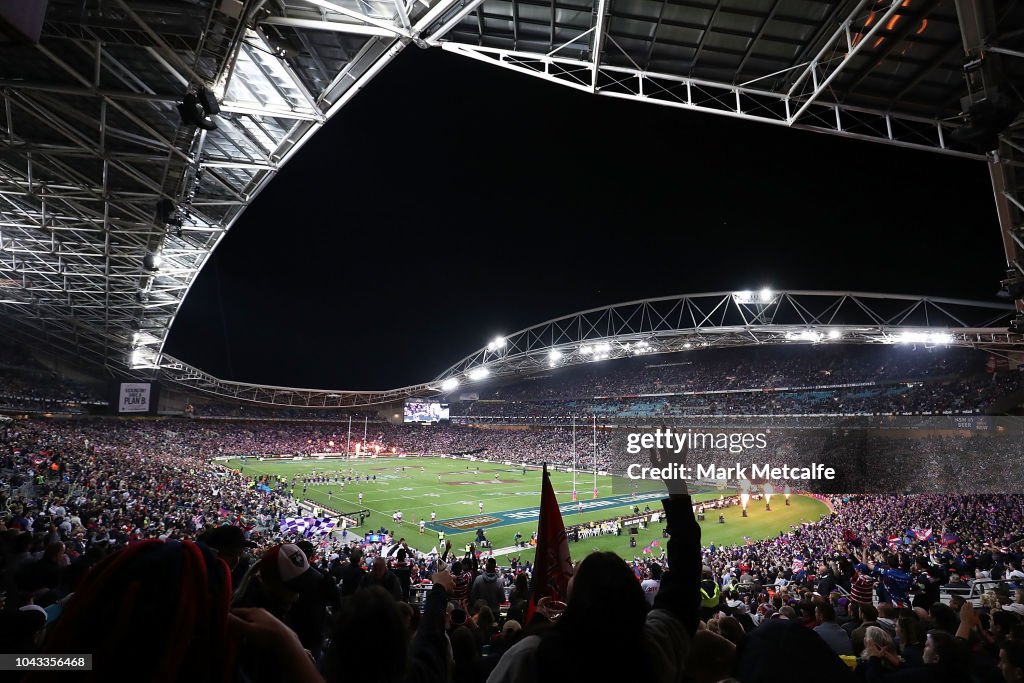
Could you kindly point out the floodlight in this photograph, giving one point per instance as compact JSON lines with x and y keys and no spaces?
{"x":138,"y":359}
{"x":804,"y":335}
{"x":834,"y":334}
{"x":766,"y":294}
{"x":687,"y":345}
{"x":555,"y":355}
{"x":479,"y":373}
{"x":496,"y":343}
{"x":926,"y":338}
{"x":449,"y":384}
{"x":152,"y":260}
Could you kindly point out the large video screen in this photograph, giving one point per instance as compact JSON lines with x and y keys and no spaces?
{"x":422,"y":410}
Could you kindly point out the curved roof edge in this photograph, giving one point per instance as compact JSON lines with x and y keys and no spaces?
{"x":667,"y":325}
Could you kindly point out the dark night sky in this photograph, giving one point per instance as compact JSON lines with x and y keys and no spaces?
{"x":452,"y":201}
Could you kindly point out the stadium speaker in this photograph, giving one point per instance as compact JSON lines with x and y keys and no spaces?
{"x":1015,"y":288}
{"x":193,"y":114}
{"x":986,"y":119}
{"x":208,"y":101}
{"x":165,"y":209}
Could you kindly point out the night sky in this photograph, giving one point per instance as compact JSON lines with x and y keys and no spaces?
{"x":452,"y":201}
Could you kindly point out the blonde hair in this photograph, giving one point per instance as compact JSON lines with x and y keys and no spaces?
{"x":878,"y":636}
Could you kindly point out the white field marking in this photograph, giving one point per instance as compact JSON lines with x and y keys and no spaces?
{"x":349,"y":497}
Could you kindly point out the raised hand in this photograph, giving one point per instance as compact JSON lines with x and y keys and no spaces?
{"x":663,"y":457}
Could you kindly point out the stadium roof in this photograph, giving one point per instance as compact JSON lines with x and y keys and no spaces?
{"x":119,"y":176}
{"x":668,"y":325}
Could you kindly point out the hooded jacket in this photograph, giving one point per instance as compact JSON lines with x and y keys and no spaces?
{"x":488,"y":587}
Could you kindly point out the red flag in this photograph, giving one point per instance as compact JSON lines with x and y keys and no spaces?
{"x":552,"y":566}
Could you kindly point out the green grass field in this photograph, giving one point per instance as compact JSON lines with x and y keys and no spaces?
{"x":455,"y":488}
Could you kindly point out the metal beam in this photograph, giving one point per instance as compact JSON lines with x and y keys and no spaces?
{"x":726,"y":99}
{"x":435,"y":36}
{"x":845,"y":31}
{"x":597,"y":40}
{"x":328,"y":25}
{"x":670,"y":325}
{"x":358,"y":16}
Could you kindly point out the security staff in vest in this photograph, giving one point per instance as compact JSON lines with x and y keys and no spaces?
{"x":440,"y":539}
{"x":710,"y":595}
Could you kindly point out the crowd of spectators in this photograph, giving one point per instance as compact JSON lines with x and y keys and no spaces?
{"x":841,"y":380}
{"x":26,"y":384}
{"x":880,"y":462}
{"x":883,"y":561}
{"x":975,"y":396}
{"x":127,"y":540}
{"x":758,"y":368}
{"x":238,"y":411}
{"x":111,"y":543}
{"x":865,"y":460}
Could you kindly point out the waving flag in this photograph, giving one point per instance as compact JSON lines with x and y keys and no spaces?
{"x":949,"y":539}
{"x":894,"y":540}
{"x":798,"y":564}
{"x":307,"y":526}
{"x":553,"y":565}
{"x":922,"y":534}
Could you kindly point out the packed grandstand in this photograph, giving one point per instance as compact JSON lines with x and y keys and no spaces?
{"x":912,"y":585}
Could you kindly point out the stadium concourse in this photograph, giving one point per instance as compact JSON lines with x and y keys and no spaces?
{"x":121,"y":522}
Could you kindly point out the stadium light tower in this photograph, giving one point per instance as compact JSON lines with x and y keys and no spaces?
{"x":450,"y":384}
{"x":496,"y":343}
